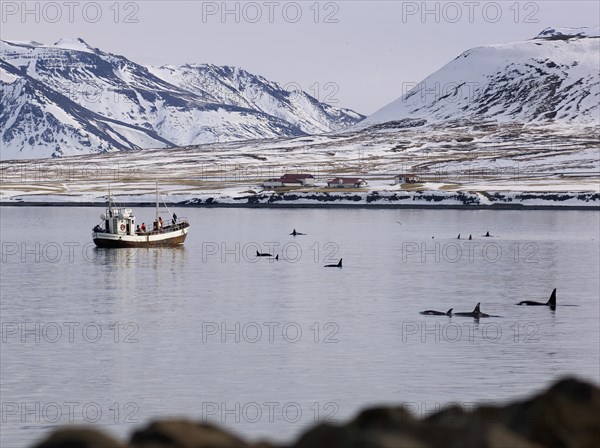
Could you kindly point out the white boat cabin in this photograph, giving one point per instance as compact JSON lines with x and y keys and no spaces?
{"x":118,"y":221}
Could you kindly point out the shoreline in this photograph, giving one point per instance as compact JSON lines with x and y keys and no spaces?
{"x":186,"y":204}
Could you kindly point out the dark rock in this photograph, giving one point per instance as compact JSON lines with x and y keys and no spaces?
{"x":329,"y":436}
{"x":383,"y":418}
{"x":79,"y":438}
{"x":565,"y":416}
{"x":184,"y":434}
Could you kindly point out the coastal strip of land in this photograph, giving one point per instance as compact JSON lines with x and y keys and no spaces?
{"x":359,"y":199}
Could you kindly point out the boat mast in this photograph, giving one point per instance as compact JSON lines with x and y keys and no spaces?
{"x":157,"y":213}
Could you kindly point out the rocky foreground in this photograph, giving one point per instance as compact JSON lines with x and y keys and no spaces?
{"x":566,"y":415}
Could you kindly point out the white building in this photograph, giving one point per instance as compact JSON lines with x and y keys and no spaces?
{"x":406,"y":178}
{"x":347,"y":182}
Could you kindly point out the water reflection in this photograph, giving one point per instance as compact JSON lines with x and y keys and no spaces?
{"x":128,"y":258}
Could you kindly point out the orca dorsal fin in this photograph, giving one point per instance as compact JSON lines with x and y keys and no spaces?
{"x":257,"y":253}
{"x":476,"y":310}
{"x":340,"y":263}
{"x":277,"y":257}
{"x":449,"y":312}
{"x":552,"y":299}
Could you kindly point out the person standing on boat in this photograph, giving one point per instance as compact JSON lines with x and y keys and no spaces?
{"x":174,"y":218}
{"x":160,"y":223}
{"x":144,"y":227}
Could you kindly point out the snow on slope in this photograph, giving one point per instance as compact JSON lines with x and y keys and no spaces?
{"x":36,"y":116}
{"x":552,"y":78}
{"x":73,"y":44}
{"x":237,"y":87}
{"x":476,"y":164}
{"x":120,"y":90}
{"x":117,"y":88}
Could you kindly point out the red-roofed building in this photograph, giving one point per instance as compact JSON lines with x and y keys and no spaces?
{"x":291,"y":180}
{"x":347,"y":182}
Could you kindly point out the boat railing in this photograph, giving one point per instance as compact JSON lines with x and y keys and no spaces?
{"x":180,"y":219}
{"x":167,"y":226}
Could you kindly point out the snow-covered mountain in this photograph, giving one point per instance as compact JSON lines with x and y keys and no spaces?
{"x":69,"y":98}
{"x":37,"y":121}
{"x":553,"y":78}
{"x":237,"y":87}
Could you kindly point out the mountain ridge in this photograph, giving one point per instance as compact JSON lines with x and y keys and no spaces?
{"x":132,"y":95}
{"x":552,"y":78}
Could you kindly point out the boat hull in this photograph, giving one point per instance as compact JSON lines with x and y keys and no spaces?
{"x":169,"y":239}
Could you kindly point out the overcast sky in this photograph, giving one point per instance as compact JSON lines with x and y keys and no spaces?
{"x":354,"y":54}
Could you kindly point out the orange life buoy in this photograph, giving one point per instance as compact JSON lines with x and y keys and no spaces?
{"x":122,"y":226}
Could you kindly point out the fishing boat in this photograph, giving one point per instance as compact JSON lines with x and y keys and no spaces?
{"x":118,"y":228}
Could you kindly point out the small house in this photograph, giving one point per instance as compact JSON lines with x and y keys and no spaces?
{"x":406,"y":178}
{"x":347,"y":182}
{"x":291,"y":180}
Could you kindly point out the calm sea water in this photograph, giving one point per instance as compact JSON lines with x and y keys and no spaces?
{"x":116,"y":338}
